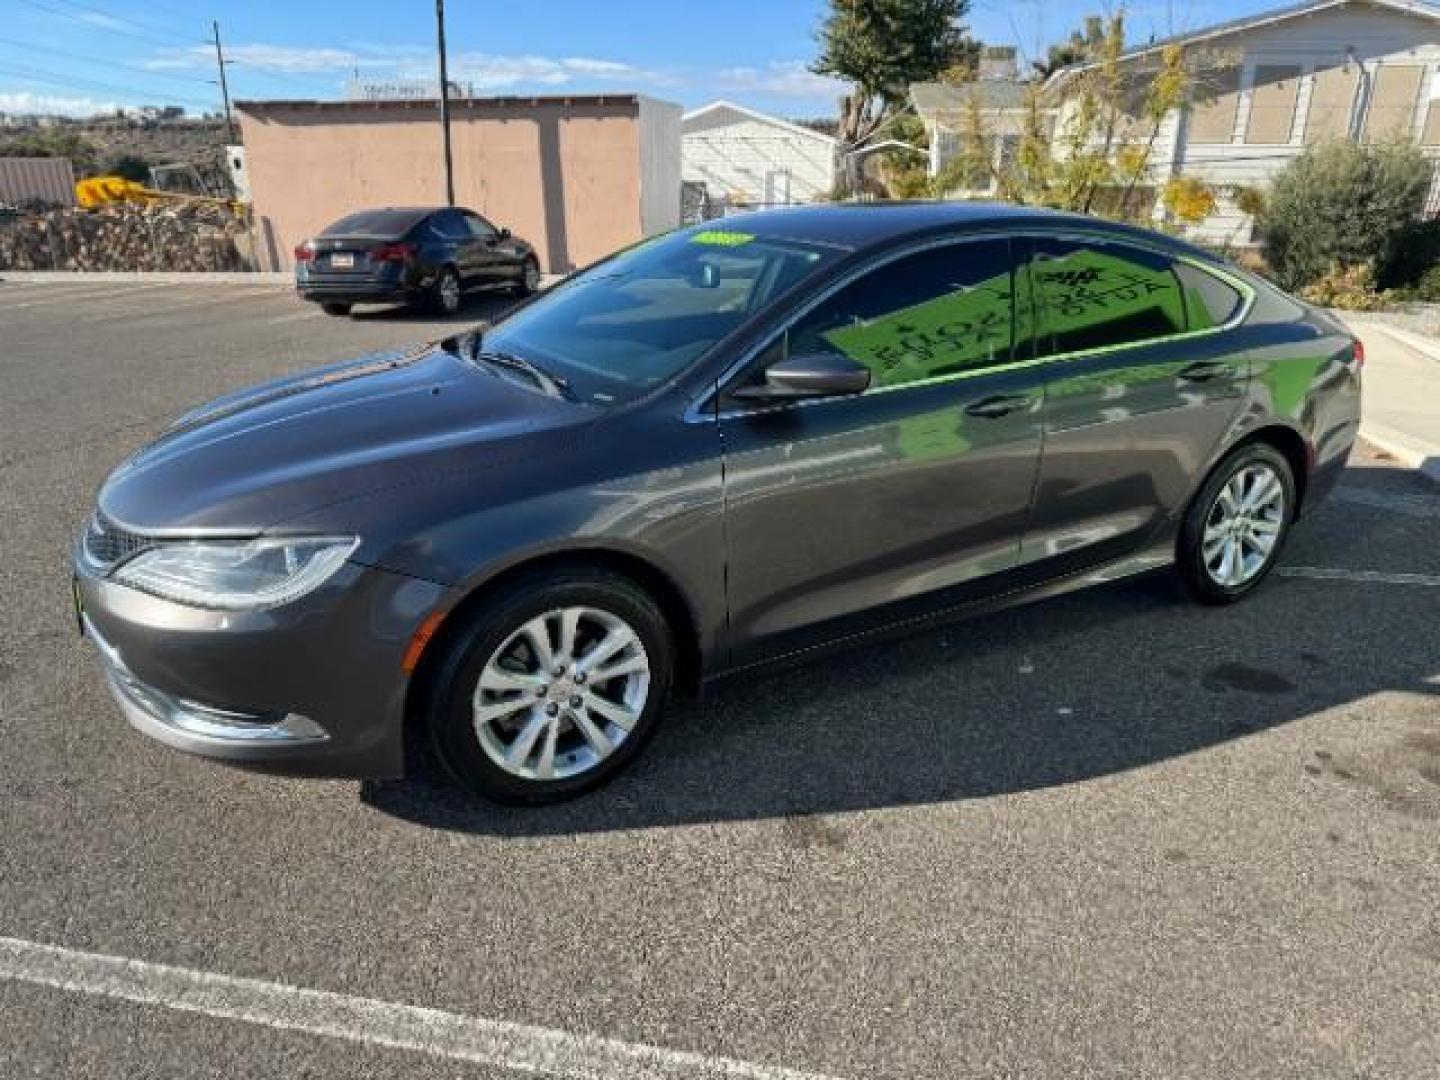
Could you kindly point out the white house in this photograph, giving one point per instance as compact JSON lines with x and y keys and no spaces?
{"x":746,"y":158}
{"x":1282,"y":80}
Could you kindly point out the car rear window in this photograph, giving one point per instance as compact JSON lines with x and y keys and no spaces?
{"x":382,"y":224}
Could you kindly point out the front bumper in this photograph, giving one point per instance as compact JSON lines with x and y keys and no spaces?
{"x":315,"y":687}
{"x":191,"y":726}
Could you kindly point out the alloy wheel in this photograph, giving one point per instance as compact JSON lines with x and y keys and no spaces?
{"x":561,"y":693}
{"x":1244,"y":525}
{"x":450,"y":292}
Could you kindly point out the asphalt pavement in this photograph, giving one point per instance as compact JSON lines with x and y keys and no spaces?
{"x":1109,"y":835}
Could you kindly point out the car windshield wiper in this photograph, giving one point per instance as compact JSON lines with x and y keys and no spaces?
{"x":553,"y":385}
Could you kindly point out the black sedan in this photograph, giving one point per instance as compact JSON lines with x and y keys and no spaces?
{"x":414,"y":255}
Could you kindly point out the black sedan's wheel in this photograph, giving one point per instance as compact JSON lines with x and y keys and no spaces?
{"x":337,"y":310}
{"x":1236,"y":527}
{"x":556,"y":685}
{"x":445,"y":294}
{"x":529,"y":281}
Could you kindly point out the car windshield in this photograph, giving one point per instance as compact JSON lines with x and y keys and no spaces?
{"x":641,"y":317}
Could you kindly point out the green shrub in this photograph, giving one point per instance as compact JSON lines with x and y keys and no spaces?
{"x":1349,"y":288}
{"x":1414,"y":256}
{"x":1427,"y":288}
{"x":1340,"y":204}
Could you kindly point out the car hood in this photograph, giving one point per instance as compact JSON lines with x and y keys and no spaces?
{"x":251,"y":460}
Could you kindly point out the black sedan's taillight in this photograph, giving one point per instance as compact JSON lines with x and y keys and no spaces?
{"x":398,"y":253}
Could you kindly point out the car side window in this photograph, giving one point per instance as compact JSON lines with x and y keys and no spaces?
{"x":1095,"y":294}
{"x":450,"y":225}
{"x":937,"y":312}
{"x":1209,"y":302}
{"x":480,"y":228}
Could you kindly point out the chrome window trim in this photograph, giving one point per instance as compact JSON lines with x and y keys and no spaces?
{"x":700,"y":411}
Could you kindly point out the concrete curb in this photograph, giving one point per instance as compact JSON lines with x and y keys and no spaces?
{"x":1404,"y":450}
{"x":159,"y":277}
{"x":1417,"y":454}
{"x":1419,"y":342}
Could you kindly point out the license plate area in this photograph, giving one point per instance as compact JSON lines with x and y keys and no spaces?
{"x":342,"y":260}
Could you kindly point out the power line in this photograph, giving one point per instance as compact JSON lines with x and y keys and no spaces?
{"x":111,"y":28}
{"x":270,"y":72}
{"x":104,"y":61}
{"x":72,"y":82}
{"x":113,"y":23}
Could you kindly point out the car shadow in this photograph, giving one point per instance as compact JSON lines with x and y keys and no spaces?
{"x":487,"y":307}
{"x":1099,"y":682}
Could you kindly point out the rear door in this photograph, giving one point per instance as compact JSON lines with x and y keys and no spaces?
{"x":464,"y":249}
{"x":494,"y":262}
{"x":845,"y":509}
{"x":1142,"y":383}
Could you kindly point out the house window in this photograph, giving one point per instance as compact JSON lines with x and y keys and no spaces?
{"x":1331,"y":101}
{"x":1272,"y":104}
{"x":1212,"y":112}
{"x":1392,"y":102}
{"x":1431,"y":135}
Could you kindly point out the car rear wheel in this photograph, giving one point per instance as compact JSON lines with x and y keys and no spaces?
{"x":553,"y":688}
{"x":445,"y":294}
{"x":1236,"y":527}
{"x":337,"y":310}
{"x":529,"y":281}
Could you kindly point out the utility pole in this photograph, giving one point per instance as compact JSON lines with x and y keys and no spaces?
{"x":224,"y":87}
{"x":444,"y":103}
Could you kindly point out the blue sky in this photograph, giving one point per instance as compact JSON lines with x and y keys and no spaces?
{"x":77,"y":56}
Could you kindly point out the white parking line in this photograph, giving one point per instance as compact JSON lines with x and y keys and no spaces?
{"x":294,"y":316}
{"x":497,"y":1043}
{"x":1373,"y":577}
{"x":65,"y":294}
{"x":183,"y":303}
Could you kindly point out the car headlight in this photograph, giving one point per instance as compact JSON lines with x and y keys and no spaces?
{"x":236,"y":574}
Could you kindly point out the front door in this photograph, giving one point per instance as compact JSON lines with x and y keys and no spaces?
{"x":914,"y":492}
{"x":1140,"y":391}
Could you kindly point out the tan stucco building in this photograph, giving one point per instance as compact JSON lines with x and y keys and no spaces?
{"x":576,"y":176}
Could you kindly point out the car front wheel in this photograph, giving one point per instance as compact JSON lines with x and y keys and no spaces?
{"x":553,"y":687}
{"x":1236,"y":527}
{"x":529,"y":281}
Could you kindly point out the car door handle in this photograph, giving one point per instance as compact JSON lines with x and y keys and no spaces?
{"x":1205,"y":370}
{"x":999,"y":405}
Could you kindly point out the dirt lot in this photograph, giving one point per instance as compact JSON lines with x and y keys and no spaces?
{"x":1111,"y":835}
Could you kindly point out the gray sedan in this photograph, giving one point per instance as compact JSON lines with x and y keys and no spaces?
{"x":732,"y":444}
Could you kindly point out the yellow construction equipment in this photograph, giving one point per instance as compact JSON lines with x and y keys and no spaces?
{"x":117,"y":191}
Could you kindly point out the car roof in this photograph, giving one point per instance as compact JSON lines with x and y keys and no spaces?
{"x":862,"y":225}
{"x":385,"y":222}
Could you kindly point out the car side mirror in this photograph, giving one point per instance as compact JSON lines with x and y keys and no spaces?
{"x":808,"y":375}
{"x":504,"y":233}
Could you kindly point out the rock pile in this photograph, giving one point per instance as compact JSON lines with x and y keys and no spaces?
{"x":166,"y":236}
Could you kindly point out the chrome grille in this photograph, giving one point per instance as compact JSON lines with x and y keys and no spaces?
{"x":107,"y":545}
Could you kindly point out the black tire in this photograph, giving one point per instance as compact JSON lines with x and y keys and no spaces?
{"x":1190,"y":554}
{"x":439,"y":301}
{"x":529,"y":282}
{"x":339,"y":311}
{"x":450,"y":694}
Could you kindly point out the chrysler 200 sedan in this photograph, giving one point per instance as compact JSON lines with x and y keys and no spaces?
{"x":730,"y":444}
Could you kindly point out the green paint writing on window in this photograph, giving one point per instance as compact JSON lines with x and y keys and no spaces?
{"x":1087,"y":290}
{"x":721,"y":238}
{"x":963,"y":329}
